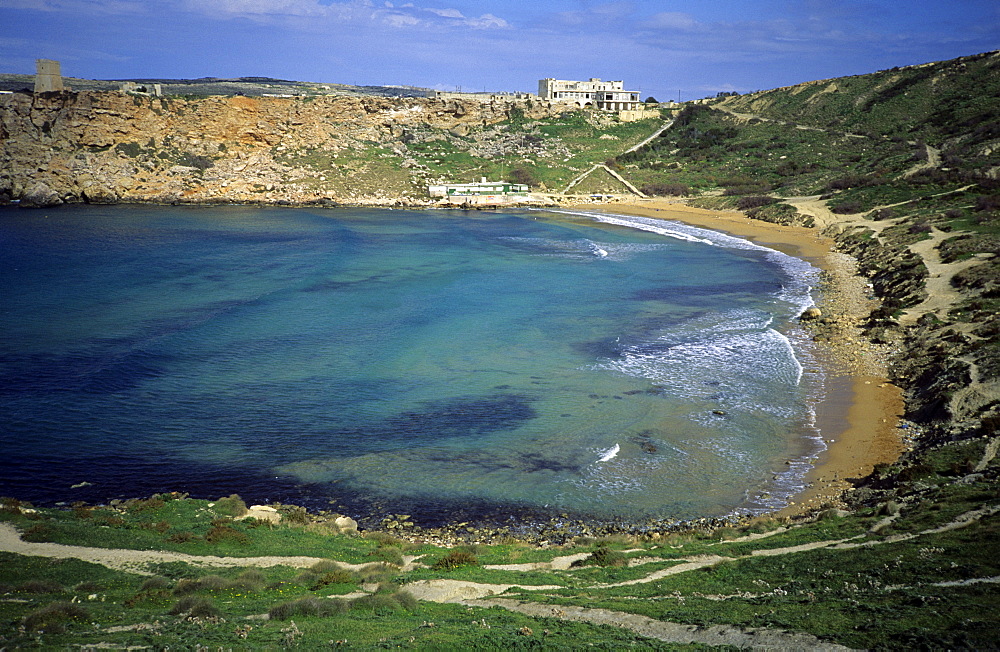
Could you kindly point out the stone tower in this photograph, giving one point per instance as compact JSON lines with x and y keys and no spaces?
{"x":47,"y":76}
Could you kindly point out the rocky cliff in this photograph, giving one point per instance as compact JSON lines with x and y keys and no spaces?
{"x":110,"y":147}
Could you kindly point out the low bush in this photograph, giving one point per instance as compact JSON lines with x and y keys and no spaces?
{"x":231,"y":505}
{"x":206,"y":583}
{"x":666,"y":189}
{"x":754,"y":201}
{"x":52,"y":617}
{"x":603,"y":556}
{"x":336,"y":576}
{"x":383,"y":601}
{"x":39,"y":587}
{"x":308,"y":606}
{"x":183,"y":537}
{"x":226,"y":533}
{"x":194,"y":607}
{"x":456,"y":559}
{"x":155,"y":582}
{"x":847,"y":207}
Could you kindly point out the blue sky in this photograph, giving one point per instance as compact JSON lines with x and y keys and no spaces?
{"x":663,"y":48}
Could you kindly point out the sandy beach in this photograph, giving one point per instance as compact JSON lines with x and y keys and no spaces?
{"x":860,"y":415}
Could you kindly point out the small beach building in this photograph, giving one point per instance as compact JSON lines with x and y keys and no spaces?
{"x":601,"y":95}
{"x":484,"y":188}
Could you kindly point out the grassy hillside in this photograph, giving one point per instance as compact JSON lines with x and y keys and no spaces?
{"x":881,"y":577}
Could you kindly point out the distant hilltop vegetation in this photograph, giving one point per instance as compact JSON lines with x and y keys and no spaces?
{"x":203,"y":86}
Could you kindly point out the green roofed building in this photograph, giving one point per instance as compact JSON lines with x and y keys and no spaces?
{"x":482,"y":189}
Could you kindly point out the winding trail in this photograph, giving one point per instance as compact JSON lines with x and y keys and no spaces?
{"x":135,"y":561}
{"x":476,"y":594}
{"x":661,"y":630}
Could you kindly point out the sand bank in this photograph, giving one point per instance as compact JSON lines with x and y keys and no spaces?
{"x":859,"y":416}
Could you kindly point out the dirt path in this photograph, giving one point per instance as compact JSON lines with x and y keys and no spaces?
{"x":942,"y":296}
{"x":667,"y":125}
{"x":484,"y":595}
{"x":135,"y":561}
{"x":661,"y":630}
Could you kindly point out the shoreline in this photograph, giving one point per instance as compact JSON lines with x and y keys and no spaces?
{"x":859,"y":416}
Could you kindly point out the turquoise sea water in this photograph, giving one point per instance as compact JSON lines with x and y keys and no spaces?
{"x":425,"y":362}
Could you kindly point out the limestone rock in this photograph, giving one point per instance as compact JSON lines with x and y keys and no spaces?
{"x":174,"y":150}
{"x":262,"y":513}
{"x":811,"y":314}
{"x":40,"y":196}
{"x":346,"y":524}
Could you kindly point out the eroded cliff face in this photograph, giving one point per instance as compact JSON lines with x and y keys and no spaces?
{"x":109,"y":147}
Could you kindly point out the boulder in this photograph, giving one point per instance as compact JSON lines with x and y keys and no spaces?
{"x":810,"y":314}
{"x":346,"y":524}
{"x":40,"y":196}
{"x":262,"y":513}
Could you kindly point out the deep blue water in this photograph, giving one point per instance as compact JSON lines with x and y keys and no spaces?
{"x":425,"y":362}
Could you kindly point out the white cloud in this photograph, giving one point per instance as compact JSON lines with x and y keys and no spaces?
{"x":446,"y":13}
{"x":359,"y":12}
{"x":258,"y":7}
{"x":457,"y":18}
{"x":671,"y":20}
{"x":400,"y":20}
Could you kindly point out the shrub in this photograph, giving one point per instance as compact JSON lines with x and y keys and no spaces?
{"x":847,"y":207}
{"x":386,"y":599}
{"x":666,"y":189}
{"x":225,"y":533}
{"x":161,"y":526}
{"x":155,"y":582}
{"x":523,"y":175}
{"x":196,"y":161}
{"x":295,"y":515}
{"x":384,"y":539}
{"x":308,"y":606}
{"x":603,"y":556}
{"x":388,"y":555}
{"x":231,"y":506}
{"x":850,"y":181}
{"x":324,"y":566}
{"x":987,"y":203}
{"x":338,"y":576}
{"x":51,"y":618}
{"x":38,"y":533}
{"x":81,"y":511}
{"x":456,"y":559}
{"x":183,"y":537}
{"x":145,"y":504}
{"x":608,"y":557}
{"x":753,"y":201}
{"x":206,"y":583}
{"x":39,"y":586}
{"x":151,"y":597}
{"x":249,"y":580}
{"x":194,"y":607}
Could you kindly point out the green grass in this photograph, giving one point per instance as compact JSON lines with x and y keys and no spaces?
{"x":830,"y":593}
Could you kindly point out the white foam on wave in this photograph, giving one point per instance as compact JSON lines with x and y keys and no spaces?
{"x":744,"y":344}
{"x":610,"y":454}
{"x":802,"y":276}
{"x":597,"y":251}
